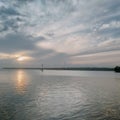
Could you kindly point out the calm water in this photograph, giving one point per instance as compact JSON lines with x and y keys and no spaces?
{"x":59,"y":95}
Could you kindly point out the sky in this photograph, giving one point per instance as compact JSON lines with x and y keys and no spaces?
{"x":57,"y":33}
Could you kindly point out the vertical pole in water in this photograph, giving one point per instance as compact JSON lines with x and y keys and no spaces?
{"x":42,"y":68}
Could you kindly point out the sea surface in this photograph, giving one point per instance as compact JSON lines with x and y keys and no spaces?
{"x":59,"y":95}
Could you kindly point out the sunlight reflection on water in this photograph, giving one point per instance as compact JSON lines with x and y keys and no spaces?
{"x":21,"y":81}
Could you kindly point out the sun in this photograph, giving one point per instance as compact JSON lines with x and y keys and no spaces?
{"x":20,"y":58}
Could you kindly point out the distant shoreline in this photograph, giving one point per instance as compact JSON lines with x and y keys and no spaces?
{"x":67,"y":68}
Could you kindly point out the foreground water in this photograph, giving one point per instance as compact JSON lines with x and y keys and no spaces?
{"x":59,"y":95}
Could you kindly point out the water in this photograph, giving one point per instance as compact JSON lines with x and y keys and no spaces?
{"x":59,"y":95}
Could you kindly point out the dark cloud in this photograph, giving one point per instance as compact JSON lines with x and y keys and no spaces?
{"x":5,"y":28}
{"x":113,"y":6}
{"x":16,"y":42}
{"x":108,"y":19}
{"x":8,"y":11}
{"x":40,"y":38}
{"x":25,"y":0}
{"x":10,"y":18}
{"x":110,"y":32}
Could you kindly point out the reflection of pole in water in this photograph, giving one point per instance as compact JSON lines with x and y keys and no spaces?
{"x":42,"y":68}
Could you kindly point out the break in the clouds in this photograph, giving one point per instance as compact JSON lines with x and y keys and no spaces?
{"x":58,"y":32}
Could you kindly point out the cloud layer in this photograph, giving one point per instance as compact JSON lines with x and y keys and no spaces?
{"x":58,"y":32}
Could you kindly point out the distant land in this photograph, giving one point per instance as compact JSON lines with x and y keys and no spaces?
{"x":65,"y":68}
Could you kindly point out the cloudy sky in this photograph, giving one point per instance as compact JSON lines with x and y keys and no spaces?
{"x":59,"y":32}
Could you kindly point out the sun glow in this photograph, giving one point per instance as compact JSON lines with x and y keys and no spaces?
{"x":21,"y":58}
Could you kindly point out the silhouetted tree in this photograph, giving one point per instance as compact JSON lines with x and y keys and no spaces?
{"x":117,"y":69}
